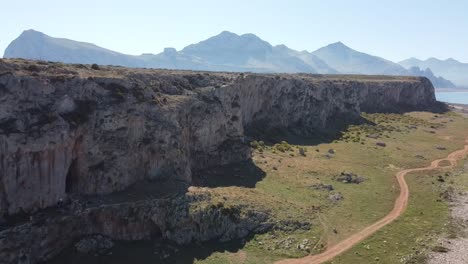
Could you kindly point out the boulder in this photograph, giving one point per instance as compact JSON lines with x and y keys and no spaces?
{"x":347,"y":177}
{"x":336,"y":197}
{"x":381,"y":144}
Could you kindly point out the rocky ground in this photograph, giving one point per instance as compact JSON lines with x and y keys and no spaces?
{"x":182,"y":218}
{"x":460,"y":108}
{"x":453,"y":249}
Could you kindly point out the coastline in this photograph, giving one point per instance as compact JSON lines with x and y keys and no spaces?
{"x":451,"y":90}
{"x":459,"y":107}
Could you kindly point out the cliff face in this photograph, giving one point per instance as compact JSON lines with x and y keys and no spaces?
{"x":72,"y":129}
{"x":181,"y":220}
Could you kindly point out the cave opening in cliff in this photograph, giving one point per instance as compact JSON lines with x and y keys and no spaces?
{"x":72,"y":177}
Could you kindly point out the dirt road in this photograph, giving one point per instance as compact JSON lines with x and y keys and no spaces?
{"x":399,"y":208}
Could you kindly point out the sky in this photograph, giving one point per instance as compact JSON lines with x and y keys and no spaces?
{"x":395,"y":30}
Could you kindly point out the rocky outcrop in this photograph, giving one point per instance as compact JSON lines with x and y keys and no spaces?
{"x":182,"y":220}
{"x":71,"y":129}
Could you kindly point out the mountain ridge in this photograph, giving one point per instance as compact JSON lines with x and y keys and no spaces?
{"x":226,"y":51}
{"x":348,"y":60}
{"x":449,"y":68}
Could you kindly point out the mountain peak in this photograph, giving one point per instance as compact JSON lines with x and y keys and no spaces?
{"x":338,"y":47}
{"x":227,"y":34}
{"x":32,"y":34}
{"x":250,"y":36}
{"x":434,"y":59}
{"x":338,"y":44}
{"x":170,"y":50}
{"x":229,"y":44}
{"x":281,"y":47}
{"x":452,"y":60}
{"x":413,"y":59}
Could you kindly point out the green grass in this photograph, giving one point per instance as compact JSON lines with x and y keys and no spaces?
{"x":406,"y":239}
{"x":286,"y":191}
{"x":460,"y":178}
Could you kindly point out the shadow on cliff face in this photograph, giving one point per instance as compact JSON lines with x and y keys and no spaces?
{"x":299,"y":135}
{"x":247,"y":174}
{"x":440,"y":108}
{"x":150,"y":252}
{"x":435,"y":107}
{"x":242,"y":174}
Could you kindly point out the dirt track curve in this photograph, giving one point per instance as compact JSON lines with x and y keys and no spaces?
{"x":399,"y":208}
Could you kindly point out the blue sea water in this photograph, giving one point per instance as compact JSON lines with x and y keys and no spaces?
{"x":453,"y":97}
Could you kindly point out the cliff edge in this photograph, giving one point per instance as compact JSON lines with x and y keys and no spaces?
{"x":92,"y":130}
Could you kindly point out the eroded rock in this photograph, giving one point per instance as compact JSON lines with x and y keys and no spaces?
{"x":71,"y":129}
{"x":181,"y":220}
{"x":94,"y":245}
{"x":348,"y":177}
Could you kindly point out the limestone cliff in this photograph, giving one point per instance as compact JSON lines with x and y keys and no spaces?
{"x":92,"y":130}
{"x":181,"y":219}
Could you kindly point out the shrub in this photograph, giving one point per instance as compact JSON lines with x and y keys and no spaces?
{"x":283,"y":146}
{"x":258,"y":145}
{"x":33,"y":68}
{"x":254,"y":144}
{"x":95,"y":67}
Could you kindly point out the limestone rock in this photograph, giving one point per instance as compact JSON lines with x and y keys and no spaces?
{"x":94,"y":245}
{"x":69,"y":129}
{"x":182,"y":220}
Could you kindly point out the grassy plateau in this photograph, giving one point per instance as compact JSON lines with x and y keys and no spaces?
{"x":325,"y":192}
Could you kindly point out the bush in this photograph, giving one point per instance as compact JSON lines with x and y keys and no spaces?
{"x":33,"y":68}
{"x":95,"y":67}
{"x":254,"y":144}
{"x":283,"y":146}
{"x":258,"y":145}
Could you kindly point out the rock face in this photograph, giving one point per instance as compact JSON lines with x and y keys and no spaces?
{"x":70,"y":129}
{"x":181,"y":220}
{"x":94,"y":245}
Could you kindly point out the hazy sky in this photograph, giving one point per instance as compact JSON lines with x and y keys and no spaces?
{"x":393,"y":29}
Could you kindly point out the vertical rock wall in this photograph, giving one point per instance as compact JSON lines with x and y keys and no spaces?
{"x":70,"y":129}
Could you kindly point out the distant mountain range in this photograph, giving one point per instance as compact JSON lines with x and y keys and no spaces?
{"x":451,"y":69}
{"x":226,"y":52}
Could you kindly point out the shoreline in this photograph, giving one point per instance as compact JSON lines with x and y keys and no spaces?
{"x":458,"y":108}
{"x":451,"y":90}
{"x":461,"y":109}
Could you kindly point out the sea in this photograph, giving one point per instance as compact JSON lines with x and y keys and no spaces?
{"x":453,"y":96}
